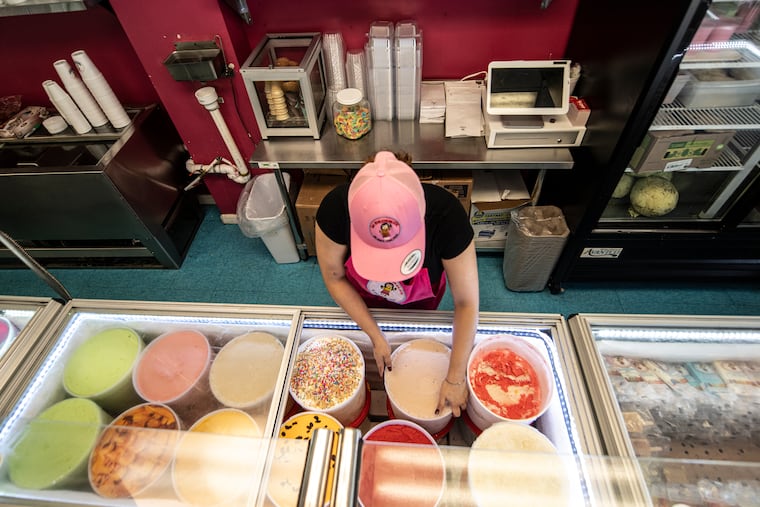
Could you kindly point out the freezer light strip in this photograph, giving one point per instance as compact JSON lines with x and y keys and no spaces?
{"x":677,"y":335}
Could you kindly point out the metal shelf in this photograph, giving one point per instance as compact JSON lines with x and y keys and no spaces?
{"x":42,"y":7}
{"x":721,"y":55}
{"x":675,"y":116}
{"x":426,"y":143}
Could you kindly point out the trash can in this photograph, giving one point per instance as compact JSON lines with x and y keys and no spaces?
{"x":536,"y":236}
{"x":261,"y":214}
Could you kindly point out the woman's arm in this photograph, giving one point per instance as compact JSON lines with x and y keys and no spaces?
{"x":462,"y":276}
{"x":331,"y":257}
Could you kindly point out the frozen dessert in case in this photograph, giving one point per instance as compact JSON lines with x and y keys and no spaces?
{"x":328,"y":376}
{"x":515,"y":461}
{"x":53,"y":449}
{"x":289,"y":457}
{"x":215,"y":459}
{"x":132,"y":456}
{"x":244,"y":372}
{"x":401,"y":465}
{"x":421,"y":363}
{"x":101,"y":369}
{"x":509,"y":380}
{"x":174,"y":370}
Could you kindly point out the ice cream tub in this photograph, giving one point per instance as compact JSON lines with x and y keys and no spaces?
{"x":101,"y":369}
{"x":508,"y":379}
{"x":174,"y":370}
{"x":53,"y":449}
{"x":132,"y":456}
{"x":329,"y":376}
{"x":288,"y":463}
{"x":215,"y":459}
{"x":244,"y":372}
{"x":413,"y":385}
{"x":401,"y":465}
{"x":516,"y":461}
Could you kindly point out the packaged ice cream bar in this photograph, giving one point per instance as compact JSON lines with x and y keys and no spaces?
{"x":705,"y":377}
{"x":736,"y":378}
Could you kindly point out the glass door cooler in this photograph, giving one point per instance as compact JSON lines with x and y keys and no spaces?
{"x":681,"y":395}
{"x":668,"y":184}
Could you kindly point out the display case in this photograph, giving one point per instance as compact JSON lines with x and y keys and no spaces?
{"x":23,"y":320}
{"x":45,"y":386}
{"x":673,"y":390}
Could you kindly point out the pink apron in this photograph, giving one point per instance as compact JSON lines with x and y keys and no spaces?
{"x":417,"y":292}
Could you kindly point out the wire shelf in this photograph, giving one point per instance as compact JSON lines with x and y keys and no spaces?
{"x":675,"y":115}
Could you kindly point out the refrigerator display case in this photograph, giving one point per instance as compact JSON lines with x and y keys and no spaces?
{"x":681,"y":395}
{"x":255,"y":465}
{"x":668,"y":175}
{"x":22,"y":320}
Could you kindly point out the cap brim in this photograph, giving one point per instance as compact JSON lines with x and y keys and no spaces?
{"x":388,"y":264}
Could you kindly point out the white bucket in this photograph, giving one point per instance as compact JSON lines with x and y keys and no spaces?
{"x":330,"y":369}
{"x":414,"y":384}
{"x":477,"y":411}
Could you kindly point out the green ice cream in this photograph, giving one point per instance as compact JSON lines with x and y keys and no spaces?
{"x":54,"y":448}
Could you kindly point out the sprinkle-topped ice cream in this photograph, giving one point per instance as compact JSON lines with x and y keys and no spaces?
{"x":506,"y":384}
{"x":328,"y":371}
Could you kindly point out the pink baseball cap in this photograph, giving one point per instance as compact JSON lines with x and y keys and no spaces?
{"x":386,"y":204}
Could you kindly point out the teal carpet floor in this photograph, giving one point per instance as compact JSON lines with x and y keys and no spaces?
{"x":223,"y":266}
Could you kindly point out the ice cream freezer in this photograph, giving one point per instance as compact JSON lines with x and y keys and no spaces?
{"x":128,"y":403}
{"x":680,"y":395}
{"x":22,"y":320}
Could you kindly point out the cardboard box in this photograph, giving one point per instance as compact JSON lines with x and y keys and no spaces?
{"x":458,"y":183}
{"x":495,"y":193}
{"x":669,"y":150}
{"x":313,"y":190}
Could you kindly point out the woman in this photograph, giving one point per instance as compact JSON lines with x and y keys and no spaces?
{"x":388,"y":241}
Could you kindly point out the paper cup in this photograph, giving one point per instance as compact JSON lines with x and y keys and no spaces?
{"x":215,"y":459}
{"x":328,"y":376}
{"x":53,"y":450}
{"x":244,"y":372}
{"x":101,"y":369}
{"x":287,"y":466}
{"x":413,"y":386}
{"x":508,"y":380}
{"x":132,"y":456}
{"x":174,"y":370}
{"x":401,"y":465}
{"x":516,"y":461}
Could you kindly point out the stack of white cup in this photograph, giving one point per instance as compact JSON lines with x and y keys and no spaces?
{"x":80,"y":94}
{"x":100,"y":90}
{"x":66,"y":107}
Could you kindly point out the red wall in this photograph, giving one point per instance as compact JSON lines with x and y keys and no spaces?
{"x":459,"y":38}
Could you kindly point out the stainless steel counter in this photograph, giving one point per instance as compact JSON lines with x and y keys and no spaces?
{"x":425,"y":142}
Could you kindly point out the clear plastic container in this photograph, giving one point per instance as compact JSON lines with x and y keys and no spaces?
{"x":352,"y":115}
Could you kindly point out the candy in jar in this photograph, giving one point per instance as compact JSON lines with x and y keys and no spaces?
{"x":351,"y":114}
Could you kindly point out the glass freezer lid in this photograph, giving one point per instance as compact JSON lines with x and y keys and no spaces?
{"x":59,"y":380}
{"x":679,"y":388}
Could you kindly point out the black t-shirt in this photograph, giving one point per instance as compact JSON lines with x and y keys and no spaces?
{"x":447,"y":226}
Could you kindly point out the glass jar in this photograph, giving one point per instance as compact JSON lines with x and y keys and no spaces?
{"x":351,"y":114}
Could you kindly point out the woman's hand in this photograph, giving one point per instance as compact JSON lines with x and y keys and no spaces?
{"x":452,"y":395}
{"x":382,"y":353}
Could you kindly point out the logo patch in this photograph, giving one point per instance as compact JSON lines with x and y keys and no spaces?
{"x":384,"y":229}
{"x":411,"y":262}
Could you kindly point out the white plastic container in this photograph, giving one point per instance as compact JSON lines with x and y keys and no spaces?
{"x":702,"y":91}
{"x":477,"y":410}
{"x":414,"y":384}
